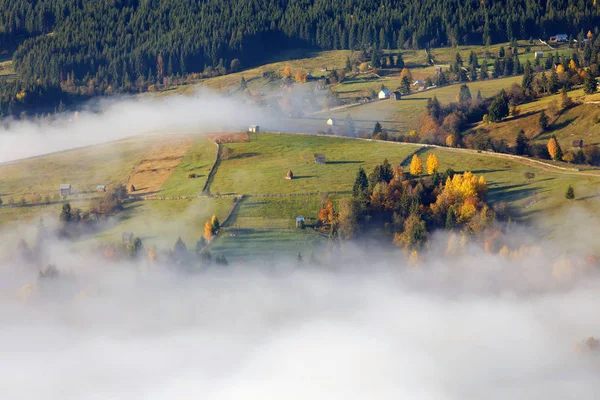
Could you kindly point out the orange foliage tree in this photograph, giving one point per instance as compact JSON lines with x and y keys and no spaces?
{"x":287,"y":71}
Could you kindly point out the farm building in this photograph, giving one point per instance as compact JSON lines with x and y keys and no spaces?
{"x":127,"y":237}
{"x":319,"y":158}
{"x":578,"y":144}
{"x":299,"y":221}
{"x":395,"y":96}
{"x":539,"y":54}
{"x":384,"y":94}
{"x":101,"y":188}
{"x":331,"y":122}
{"x":290,"y":175}
{"x":418,"y":82}
{"x":253,"y":129}
{"x":65,"y":189}
{"x":561,"y":37}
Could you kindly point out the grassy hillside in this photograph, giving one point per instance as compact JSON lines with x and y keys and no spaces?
{"x":264,"y":223}
{"x":259,"y":166}
{"x":579,"y":122}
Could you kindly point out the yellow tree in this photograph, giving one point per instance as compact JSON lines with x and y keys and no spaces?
{"x":572,"y":65}
{"x":553,"y":147}
{"x":432,"y":164}
{"x":416,"y":165}
{"x":208,"y":231}
{"x":451,"y":141}
{"x":300,"y":76}
{"x":406,"y":72}
{"x":560,"y":69}
{"x":287,"y":71}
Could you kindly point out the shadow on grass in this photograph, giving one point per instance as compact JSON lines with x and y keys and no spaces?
{"x":592,"y":196}
{"x":344,"y":162}
{"x":561,"y":125}
{"x":303,"y":176}
{"x":512,"y":192}
{"x":243,"y":155}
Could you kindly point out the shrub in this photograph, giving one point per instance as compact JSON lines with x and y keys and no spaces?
{"x":192,"y":176}
{"x":570,"y":195}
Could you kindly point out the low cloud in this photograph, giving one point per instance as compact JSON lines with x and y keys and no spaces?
{"x":470,"y":326}
{"x":113,"y":119}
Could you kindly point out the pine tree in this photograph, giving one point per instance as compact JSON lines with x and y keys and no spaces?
{"x":590,"y":86}
{"x":405,"y":85}
{"x":361,"y":183}
{"x":522,"y":144}
{"x":543,"y":121}
{"x":377,"y":128}
{"x":464,"y":94}
{"x":416,"y":165}
{"x":570,"y":195}
{"x":450,"y":219}
{"x":499,"y":107}
{"x":432,"y":164}
{"x":399,"y":61}
{"x":348,"y":65}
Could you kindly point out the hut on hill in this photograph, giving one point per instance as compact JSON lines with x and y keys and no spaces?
{"x":384,"y":94}
{"x":300,"y":221}
{"x":395,"y":96}
{"x":331,"y":122}
{"x":319,"y":158}
{"x":290,"y":175}
{"x":65,"y":189}
{"x":131,"y":188}
{"x":253,"y":129}
{"x":127,"y":237}
{"x":539,"y":54}
{"x":101,"y":188}
{"x":578,"y":144}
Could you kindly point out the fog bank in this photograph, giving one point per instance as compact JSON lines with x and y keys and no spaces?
{"x":112,"y":119}
{"x":457,"y":327}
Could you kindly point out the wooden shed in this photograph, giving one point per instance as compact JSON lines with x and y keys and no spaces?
{"x":65,"y":189}
{"x":253,"y":129}
{"x":101,"y":188}
{"x":578,"y":144}
{"x":319,"y":158}
{"x":395,"y":96}
{"x":300,"y":221}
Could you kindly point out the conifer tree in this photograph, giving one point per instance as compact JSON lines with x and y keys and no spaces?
{"x":570,"y":195}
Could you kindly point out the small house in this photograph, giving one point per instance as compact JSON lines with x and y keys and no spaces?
{"x":319,"y":158}
{"x":101,"y":188}
{"x":438,"y":70}
{"x":418,"y":82}
{"x":324,"y":69}
{"x":539,"y":54}
{"x":578,"y":144}
{"x":384,"y":94}
{"x":131,"y":188}
{"x":331,"y":122}
{"x":561,"y":37}
{"x":395,"y":96}
{"x":290,"y":175}
{"x":127,"y":237}
{"x":253,"y":129}
{"x":65,"y":189}
{"x":300,"y":221}
{"x":310,"y":77}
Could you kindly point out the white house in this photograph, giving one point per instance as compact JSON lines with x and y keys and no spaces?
{"x":539,"y":54}
{"x":418,"y":82}
{"x":299,"y":221}
{"x":384,"y":94}
{"x":253,"y":129}
{"x":331,"y":122}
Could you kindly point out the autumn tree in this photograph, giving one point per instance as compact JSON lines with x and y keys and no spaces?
{"x":216,"y":225}
{"x":554,"y":149}
{"x":406,"y":73}
{"x":348,"y":225}
{"x":432,"y":164}
{"x":416,"y":165}
{"x":208,"y":231}
{"x":570,"y":195}
{"x":414,"y":235}
{"x":287,"y":71}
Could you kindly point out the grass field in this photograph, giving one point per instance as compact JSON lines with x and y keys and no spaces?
{"x":198,"y":160}
{"x":259,"y":167}
{"x":83,"y":168}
